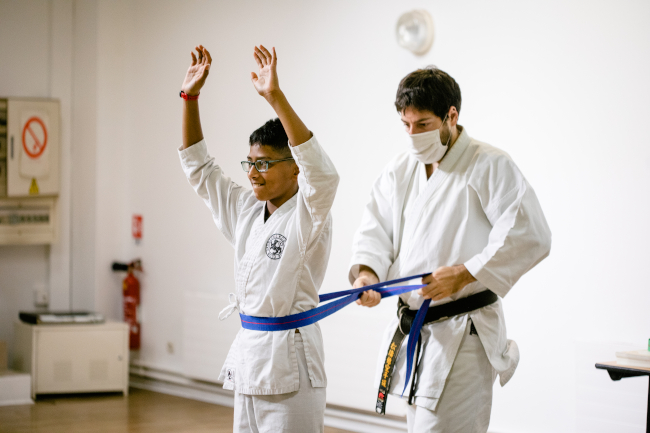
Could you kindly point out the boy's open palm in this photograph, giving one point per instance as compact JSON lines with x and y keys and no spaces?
{"x":266,"y":80}
{"x":197,"y":72}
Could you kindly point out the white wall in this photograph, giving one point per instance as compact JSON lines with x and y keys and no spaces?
{"x":561,"y":86}
{"x":35,"y":50}
{"x":21,"y":268}
{"x":48,"y":50}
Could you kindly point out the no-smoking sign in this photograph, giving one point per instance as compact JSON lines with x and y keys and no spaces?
{"x":34,"y":137}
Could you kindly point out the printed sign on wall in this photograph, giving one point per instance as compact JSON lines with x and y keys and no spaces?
{"x":35,"y":155}
{"x":136,"y":228}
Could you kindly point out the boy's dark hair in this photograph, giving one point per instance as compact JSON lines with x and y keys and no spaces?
{"x":271,"y":134}
{"x":428,"y":89}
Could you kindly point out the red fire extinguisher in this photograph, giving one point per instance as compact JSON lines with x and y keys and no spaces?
{"x":131,"y":294}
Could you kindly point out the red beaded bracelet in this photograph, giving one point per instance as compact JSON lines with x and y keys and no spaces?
{"x":188,"y":97}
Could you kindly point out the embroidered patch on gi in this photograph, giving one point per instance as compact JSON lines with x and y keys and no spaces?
{"x":230,"y":375}
{"x":275,"y":246}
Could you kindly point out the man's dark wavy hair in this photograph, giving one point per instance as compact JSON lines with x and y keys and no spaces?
{"x":271,"y":134}
{"x":428,"y":89}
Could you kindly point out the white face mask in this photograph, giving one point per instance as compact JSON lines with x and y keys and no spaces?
{"x":427,"y":147}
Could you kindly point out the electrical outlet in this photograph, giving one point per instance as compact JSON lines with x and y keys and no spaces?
{"x":41,"y":296}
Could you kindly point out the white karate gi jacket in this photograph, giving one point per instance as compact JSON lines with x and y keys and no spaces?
{"x":279,"y":265}
{"x":476,"y":209}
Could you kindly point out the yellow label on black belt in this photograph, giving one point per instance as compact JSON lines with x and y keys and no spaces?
{"x":387,"y":371}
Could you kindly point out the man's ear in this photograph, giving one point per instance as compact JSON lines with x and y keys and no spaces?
{"x":453,"y":116}
{"x":296,"y":170}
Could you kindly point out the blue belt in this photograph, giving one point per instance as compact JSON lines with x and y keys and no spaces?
{"x":342,"y":299}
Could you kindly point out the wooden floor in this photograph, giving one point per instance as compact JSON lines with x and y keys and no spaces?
{"x":140,"y":412}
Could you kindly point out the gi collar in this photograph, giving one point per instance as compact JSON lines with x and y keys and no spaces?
{"x":456,"y":150}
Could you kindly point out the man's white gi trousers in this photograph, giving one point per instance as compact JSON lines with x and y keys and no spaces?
{"x":466,"y":401}
{"x":302,"y":411}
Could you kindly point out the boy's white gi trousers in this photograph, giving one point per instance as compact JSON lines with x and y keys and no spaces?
{"x":302,"y":411}
{"x":466,"y":401}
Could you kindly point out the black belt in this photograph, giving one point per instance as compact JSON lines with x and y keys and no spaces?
{"x":434,"y":314}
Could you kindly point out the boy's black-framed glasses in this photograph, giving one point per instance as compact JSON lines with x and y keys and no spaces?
{"x":262,"y":165}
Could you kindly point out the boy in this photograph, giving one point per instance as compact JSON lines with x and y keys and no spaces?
{"x":281,"y":232}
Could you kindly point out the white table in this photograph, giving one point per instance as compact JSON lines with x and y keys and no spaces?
{"x":619,"y":371}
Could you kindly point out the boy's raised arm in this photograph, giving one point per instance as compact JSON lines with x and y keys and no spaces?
{"x":222,"y":196}
{"x":194,"y":81}
{"x":318,"y":178}
{"x":267,"y":85}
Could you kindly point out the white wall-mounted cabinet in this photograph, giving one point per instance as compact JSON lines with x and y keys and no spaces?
{"x":29,"y":170}
{"x":32,"y":147}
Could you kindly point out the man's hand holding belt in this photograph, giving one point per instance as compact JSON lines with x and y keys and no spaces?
{"x":445,"y":281}
{"x":442,"y":283}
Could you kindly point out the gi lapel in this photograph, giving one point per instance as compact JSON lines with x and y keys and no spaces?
{"x":246,"y":262}
{"x":415,"y":217}
{"x":399,"y":201}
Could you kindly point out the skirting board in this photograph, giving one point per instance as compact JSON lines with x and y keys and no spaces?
{"x":16,"y":402}
{"x":181,"y":386}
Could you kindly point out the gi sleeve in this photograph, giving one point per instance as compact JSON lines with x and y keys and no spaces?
{"x":520,"y":237}
{"x":317,"y":182}
{"x":223,"y":197}
{"x":372,"y":245}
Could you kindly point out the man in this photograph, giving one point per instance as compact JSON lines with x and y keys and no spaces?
{"x":281,"y":233}
{"x":462,"y":210}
